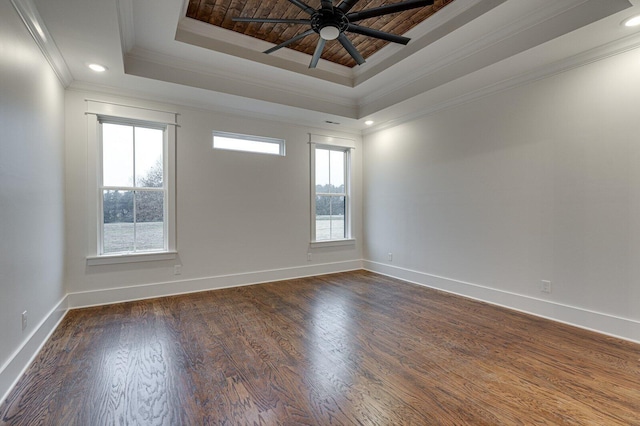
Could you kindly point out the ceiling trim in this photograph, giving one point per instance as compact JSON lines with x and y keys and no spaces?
{"x":434,"y":28}
{"x":614,"y":48}
{"x":84,"y":87}
{"x":423,"y":29}
{"x":148,"y":64}
{"x":207,"y":36}
{"x":605,"y":51}
{"x":495,"y":46}
{"x":489,"y":41}
{"x":199,"y":67}
{"x":38,"y":30}
{"x":125,"y":23}
{"x":477,"y":45}
{"x":449,"y":18}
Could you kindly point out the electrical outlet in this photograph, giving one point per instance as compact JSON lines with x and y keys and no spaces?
{"x":24,"y":320}
{"x":390,"y":257}
{"x":309,"y":257}
{"x":177,"y":269}
{"x":545,"y":286}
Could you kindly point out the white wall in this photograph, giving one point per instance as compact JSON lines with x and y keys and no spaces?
{"x":31,"y":195}
{"x":241,"y":217}
{"x":540,"y":182}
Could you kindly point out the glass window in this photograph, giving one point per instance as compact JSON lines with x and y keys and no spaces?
{"x":248,"y":143}
{"x":133,"y":194}
{"x":331,"y":195}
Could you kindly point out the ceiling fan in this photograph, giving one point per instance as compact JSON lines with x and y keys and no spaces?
{"x":331,"y":23}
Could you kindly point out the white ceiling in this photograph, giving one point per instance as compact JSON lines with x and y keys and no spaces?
{"x":468,"y":49}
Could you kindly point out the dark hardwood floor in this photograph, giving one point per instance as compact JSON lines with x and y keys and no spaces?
{"x":350,"y":348}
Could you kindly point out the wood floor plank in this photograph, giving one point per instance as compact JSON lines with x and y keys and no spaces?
{"x":351,"y":348}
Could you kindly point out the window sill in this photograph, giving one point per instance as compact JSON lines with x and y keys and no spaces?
{"x":333,"y":243}
{"x":130,"y":258}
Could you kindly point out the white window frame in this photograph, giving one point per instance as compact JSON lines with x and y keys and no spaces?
{"x":262,"y":139}
{"x":333,"y":144}
{"x":98,"y":112}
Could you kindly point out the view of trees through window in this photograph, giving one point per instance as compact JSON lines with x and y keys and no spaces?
{"x":133,"y":209}
{"x":330,"y":195}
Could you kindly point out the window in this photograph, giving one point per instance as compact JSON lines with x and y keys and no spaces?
{"x":330,"y":201}
{"x":132,"y":190}
{"x":132,"y":158}
{"x":247,"y":143}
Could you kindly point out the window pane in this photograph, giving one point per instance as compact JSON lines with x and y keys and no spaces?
{"x":323,"y":205}
{"x":117,"y":155}
{"x":149,"y":143}
{"x":336,"y":171}
{"x":322,"y":170}
{"x":323,"y":228}
{"x":323,"y":217}
{"x":118,"y":233}
{"x":337,"y":218}
{"x":149,"y":220}
{"x":247,"y":144}
{"x":330,"y":217}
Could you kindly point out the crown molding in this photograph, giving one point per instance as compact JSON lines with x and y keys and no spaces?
{"x":228,"y":42}
{"x":480,"y":44}
{"x":596,"y":54}
{"x":150,"y":64}
{"x":447,"y":20}
{"x":125,"y":23}
{"x":346,"y":126}
{"x":416,"y":34}
{"x":220,"y":40}
{"x":38,"y":30}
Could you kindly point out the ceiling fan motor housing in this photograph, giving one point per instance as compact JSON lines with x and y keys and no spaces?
{"x":327,"y":20}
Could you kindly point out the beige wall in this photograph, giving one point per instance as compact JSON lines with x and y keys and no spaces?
{"x":31,"y":191}
{"x":241,"y":217}
{"x":540,"y":182}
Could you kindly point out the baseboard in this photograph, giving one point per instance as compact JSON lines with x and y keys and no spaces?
{"x":15,"y":367}
{"x":170,"y":288}
{"x":607,"y":324}
{"x":611,"y":325}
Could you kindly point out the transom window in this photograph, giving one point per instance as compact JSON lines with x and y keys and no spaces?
{"x":248,"y":143}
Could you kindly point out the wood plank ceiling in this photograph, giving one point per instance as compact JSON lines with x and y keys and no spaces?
{"x":220,"y":13}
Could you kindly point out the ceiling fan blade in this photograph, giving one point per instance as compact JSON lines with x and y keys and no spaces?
{"x":304,"y":6}
{"x":317,"y":53}
{"x":273,"y":20}
{"x":370,"y":32}
{"x":385,"y":10}
{"x":291,"y":40}
{"x":346,"y":5}
{"x":327,"y":4}
{"x":349,"y":47}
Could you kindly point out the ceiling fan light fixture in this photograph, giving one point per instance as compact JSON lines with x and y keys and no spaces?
{"x":329,"y":32}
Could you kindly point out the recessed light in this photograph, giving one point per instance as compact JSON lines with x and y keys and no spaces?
{"x":369,"y":122}
{"x":97,"y":67}
{"x":632,"y":22}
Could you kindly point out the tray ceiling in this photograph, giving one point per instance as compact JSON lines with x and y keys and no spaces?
{"x":221,"y":12}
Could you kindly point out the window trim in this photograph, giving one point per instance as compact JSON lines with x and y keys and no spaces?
{"x":275,"y":141}
{"x":98,"y":111}
{"x":333,"y":144}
